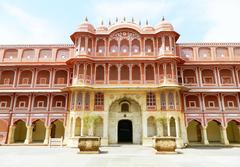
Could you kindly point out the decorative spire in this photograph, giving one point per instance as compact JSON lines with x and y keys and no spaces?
{"x":109,"y":22}
{"x":102,"y":23}
{"x":116,"y":19}
{"x":124,"y":18}
{"x":146,"y":22}
{"x":132,"y":20}
{"x":86,"y":19}
{"x":139,"y":22}
{"x":163,"y":18}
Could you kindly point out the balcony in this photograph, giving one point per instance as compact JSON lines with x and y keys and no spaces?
{"x":58,"y":109}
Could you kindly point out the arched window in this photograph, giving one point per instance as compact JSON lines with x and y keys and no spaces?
{"x":87,"y":101}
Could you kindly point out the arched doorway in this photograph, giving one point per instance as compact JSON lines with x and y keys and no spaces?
{"x":125,"y":109}
{"x":213,"y":132}
{"x":194,"y":131}
{"x":20,"y":132}
{"x":125,"y":131}
{"x":38,"y":134}
{"x":57,"y":129}
{"x":233,"y":133}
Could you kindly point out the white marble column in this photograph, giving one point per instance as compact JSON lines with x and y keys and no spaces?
{"x":47,"y":134}
{"x":11,"y":134}
{"x":204,"y":135}
{"x":28,"y":139}
{"x":224,"y":138}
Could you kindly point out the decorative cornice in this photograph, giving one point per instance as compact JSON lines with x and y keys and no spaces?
{"x":37,"y":46}
{"x":209,"y":44}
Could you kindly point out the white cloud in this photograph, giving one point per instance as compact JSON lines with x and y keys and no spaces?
{"x":224,"y":18}
{"x":22,"y":27}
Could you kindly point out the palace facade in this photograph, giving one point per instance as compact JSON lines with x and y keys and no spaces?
{"x":132,"y":77}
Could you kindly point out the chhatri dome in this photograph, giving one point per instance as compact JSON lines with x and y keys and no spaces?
{"x":164,"y":26}
{"x":86,"y":27}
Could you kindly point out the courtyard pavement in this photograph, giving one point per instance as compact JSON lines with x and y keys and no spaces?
{"x":117,"y":156}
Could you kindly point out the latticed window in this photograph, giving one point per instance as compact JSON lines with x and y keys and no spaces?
{"x":163,"y":101}
{"x":99,"y":99}
{"x":170,"y":101}
{"x":151,"y":99}
{"x":87,"y":101}
{"x":79,"y":101}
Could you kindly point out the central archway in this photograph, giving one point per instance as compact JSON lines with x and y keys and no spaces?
{"x":125,"y":131}
{"x":125,"y":121}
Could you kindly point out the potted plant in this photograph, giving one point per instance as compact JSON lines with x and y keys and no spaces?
{"x":89,"y":143}
{"x":164,"y":144}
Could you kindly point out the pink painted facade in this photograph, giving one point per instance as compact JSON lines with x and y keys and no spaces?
{"x":37,"y":81}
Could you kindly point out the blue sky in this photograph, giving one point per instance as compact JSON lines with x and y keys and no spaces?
{"x":52,"y":21}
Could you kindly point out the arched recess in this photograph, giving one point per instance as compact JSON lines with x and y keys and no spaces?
{"x":100,"y":47}
{"x":136,"y":73}
{"x":149,"y":73}
{"x":113,"y":73}
{"x":20,"y":131}
{"x":135,"y":47}
{"x":100,"y":73}
{"x":7,"y":77}
{"x":151,"y":127}
{"x":78,"y":127}
{"x":98,"y":127}
{"x":208,"y":76}
{"x":233,"y":131}
{"x":149,"y":47}
{"x":62,"y":54}
{"x":57,"y":129}
{"x":45,"y":55}
{"x":28,"y":55}
{"x":194,"y":131}
{"x":10,"y":55}
{"x":213,"y":131}
{"x":43,"y":77}
{"x":61,"y":77}
{"x":172,"y":127}
{"x":39,"y":130}
{"x":124,"y":47}
{"x":226,"y":76}
{"x":124,"y":73}
{"x":113,"y":49}
{"x":25,"y":77}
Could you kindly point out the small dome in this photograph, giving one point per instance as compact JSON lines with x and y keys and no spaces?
{"x":165,"y":26}
{"x":147,"y":27}
{"x":86,"y":27}
{"x":102,"y":27}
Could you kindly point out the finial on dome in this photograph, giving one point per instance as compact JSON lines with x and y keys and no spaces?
{"x":163,"y":18}
{"x":146,"y":22}
{"x":139,"y":22}
{"x":109,"y":22}
{"x":116,"y":19}
{"x":102,"y":23}
{"x":132,"y":20}
{"x":124,"y":18}
{"x":86,"y":19}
